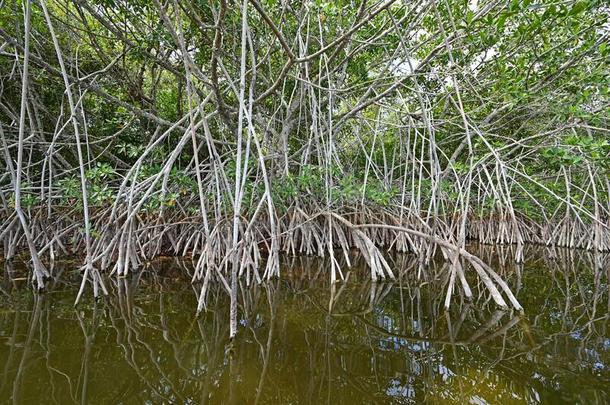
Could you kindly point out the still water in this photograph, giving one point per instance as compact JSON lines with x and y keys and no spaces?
{"x":302,"y":342}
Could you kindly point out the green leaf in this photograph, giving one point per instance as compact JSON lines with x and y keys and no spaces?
{"x":501,"y":22}
{"x":578,"y":8}
{"x":469,"y":16}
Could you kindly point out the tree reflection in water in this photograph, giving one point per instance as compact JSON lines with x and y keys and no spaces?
{"x":303,"y":340}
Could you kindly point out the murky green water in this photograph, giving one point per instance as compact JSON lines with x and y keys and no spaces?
{"x":302,"y":342}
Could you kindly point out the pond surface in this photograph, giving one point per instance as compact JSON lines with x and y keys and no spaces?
{"x":302,"y":342}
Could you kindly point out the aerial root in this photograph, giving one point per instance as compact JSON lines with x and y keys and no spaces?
{"x":126,"y":245}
